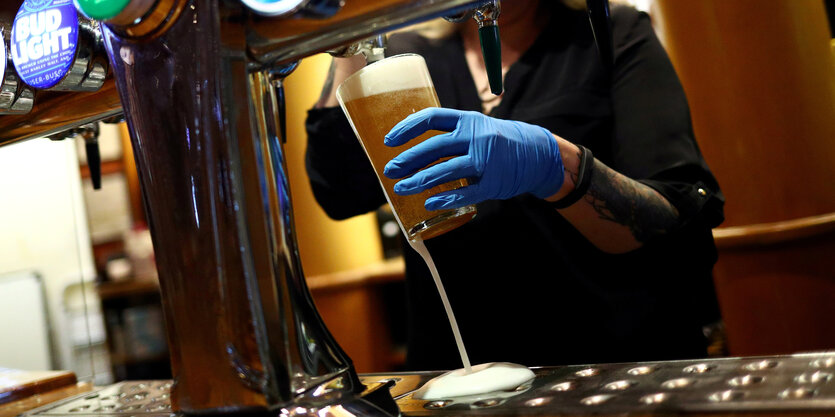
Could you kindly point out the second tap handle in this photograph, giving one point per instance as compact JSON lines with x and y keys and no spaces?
{"x":491,"y":49}
{"x":487,"y":17}
{"x":94,"y":162}
{"x":90,"y":134}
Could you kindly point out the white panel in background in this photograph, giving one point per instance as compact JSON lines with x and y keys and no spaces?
{"x":110,"y":144}
{"x":108,"y":208}
{"x":24,"y":328}
{"x":43,"y":226}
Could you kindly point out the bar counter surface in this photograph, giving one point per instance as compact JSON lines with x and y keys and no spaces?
{"x":764,"y":386}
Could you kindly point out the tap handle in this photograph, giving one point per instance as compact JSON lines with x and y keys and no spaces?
{"x":601,"y":27}
{"x":487,"y":17}
{"x":491,"y":49}
{"x":94,"y":162}
{"x":90,"y":134}
{"x":277,"y":75}
{"x":282,"y":109}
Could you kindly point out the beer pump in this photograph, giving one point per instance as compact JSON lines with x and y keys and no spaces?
{"x":487,"y":16}
{"x":199,"y":82}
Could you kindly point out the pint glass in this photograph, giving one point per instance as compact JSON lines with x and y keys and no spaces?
{"x":375,"y":99}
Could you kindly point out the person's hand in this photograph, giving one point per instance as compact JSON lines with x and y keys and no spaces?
{"x":501,"y":158}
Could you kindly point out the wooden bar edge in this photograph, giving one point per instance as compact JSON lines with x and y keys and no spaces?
{"x":770,"y":234}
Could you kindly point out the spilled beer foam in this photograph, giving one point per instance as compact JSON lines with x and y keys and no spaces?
{"x":469,"y":380}
{"x":484,"y":378}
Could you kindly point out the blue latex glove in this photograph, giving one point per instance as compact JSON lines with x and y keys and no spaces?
{"x":501,"y":158}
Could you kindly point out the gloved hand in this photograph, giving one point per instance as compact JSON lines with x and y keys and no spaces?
{"x":501,"y":158}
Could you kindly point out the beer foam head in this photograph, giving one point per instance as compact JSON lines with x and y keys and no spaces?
{"x":399,"y":72}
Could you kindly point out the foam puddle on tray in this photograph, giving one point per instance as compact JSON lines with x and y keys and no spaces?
{"x":484,"y":378}
{"x":469,"y":380}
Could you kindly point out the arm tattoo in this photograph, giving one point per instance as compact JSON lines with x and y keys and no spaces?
{"x":326,"y":89}
{"x":573,"y":172}
{"x":624,"y":201}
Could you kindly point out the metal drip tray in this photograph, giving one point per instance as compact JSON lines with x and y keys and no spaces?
{"x":764,"y":384}
{"x":146,"y":398}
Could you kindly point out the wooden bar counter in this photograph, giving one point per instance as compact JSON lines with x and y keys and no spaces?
{"x":21,"y":391}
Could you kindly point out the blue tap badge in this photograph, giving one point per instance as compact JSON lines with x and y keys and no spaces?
{"x":44,"y":40}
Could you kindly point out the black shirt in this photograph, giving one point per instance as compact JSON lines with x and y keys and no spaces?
{"x":526,"y":286}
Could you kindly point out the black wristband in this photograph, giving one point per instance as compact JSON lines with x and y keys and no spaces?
{"x":583,"y":180}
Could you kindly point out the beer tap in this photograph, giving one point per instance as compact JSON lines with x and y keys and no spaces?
{"x":374,"y":49}
{"x":277,"y":76}
{"x":487,"y":17}
{"x":90,"y":134}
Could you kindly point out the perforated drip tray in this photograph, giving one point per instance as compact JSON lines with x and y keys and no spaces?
{"x":777,"y":384}
{"x":762,"y":384}
{"x":146,"y":398}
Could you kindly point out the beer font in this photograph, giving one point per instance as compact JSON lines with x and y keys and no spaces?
{"x":243,"y":332}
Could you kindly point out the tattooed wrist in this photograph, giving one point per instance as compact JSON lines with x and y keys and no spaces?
{"x":629,"y":203}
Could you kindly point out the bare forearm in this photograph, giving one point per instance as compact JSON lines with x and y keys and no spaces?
{"x":618,"y":214}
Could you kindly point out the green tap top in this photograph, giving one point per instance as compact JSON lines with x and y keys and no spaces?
{"x":101,"y":9}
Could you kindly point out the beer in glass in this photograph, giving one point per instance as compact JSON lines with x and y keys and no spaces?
{"x":375,"y":99}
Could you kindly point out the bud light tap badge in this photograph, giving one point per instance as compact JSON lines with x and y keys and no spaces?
{"x":44,"y":40}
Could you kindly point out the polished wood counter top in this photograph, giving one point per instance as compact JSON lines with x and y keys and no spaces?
{"x":22,"y":405}
{"x":16,"y":384}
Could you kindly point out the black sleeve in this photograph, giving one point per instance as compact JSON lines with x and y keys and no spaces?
{"x":653,"y":140}
{"x":342,"y":178}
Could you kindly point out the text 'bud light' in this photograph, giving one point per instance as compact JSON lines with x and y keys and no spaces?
{"x":44,"y":40}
